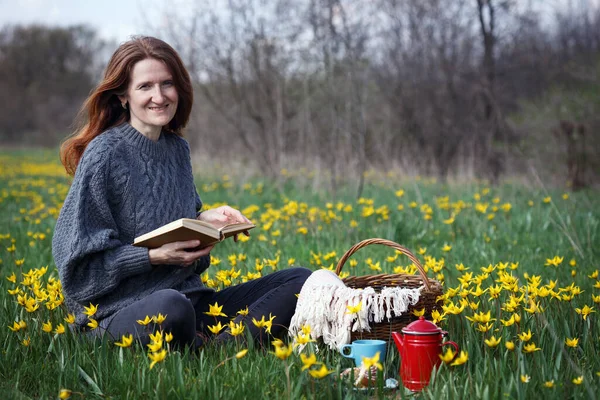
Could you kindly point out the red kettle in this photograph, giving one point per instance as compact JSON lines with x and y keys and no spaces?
{"x":419,"y":350}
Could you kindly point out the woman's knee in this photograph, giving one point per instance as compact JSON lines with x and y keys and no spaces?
{"x":296,"y":278}
{"x":299,"y":274}
{"x":175,"y":307}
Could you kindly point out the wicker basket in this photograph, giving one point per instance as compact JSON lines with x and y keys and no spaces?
{"x":433,"y":289}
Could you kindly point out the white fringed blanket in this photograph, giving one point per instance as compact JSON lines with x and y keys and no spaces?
{"x":323,"y":300}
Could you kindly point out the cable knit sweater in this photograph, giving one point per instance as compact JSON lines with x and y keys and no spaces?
{"x":125,"y":185}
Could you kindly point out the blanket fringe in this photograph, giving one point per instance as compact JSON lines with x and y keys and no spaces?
{"x":322,"y":305}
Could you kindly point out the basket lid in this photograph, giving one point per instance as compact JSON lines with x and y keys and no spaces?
{"x":421,"y":327}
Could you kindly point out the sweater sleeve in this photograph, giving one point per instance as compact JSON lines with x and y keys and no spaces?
{"x":90,"y":257}
{"x":198,"y":204}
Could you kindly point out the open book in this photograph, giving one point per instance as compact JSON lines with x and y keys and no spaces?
{"x":190,"y":229}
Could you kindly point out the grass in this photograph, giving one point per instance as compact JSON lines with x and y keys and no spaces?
{"x":511,"y":231}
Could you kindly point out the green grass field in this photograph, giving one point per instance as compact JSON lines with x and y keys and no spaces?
{"x":528,"y":256}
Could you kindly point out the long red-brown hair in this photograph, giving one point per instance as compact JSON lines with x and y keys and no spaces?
{"x":102,"y":109}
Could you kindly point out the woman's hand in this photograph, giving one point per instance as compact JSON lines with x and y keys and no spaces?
{"x":178,"y":253}
{"x":222,"y":216}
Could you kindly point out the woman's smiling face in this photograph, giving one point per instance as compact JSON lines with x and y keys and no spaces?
{"x":151,"y":96}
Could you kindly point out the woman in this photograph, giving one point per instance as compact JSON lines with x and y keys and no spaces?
{"x":132,"y":174}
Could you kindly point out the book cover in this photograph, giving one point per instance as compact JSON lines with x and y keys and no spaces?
{"x":190,"y":229}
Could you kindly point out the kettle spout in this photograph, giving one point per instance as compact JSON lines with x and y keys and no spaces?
{"x":398,"y":340}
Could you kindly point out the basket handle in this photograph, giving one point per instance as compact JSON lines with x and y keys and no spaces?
{"x":388,"y":243}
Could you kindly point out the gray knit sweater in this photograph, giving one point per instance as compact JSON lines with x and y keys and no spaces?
{"x":125,"y":185}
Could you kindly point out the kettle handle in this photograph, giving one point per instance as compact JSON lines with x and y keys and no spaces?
{"x":453,"y":344}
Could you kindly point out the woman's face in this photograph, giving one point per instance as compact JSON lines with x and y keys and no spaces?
{"x":151,"y":97}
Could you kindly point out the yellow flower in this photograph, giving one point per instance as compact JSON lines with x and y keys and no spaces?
{"x":572,"y":342}
{"x":530,"y":348}
{"x":446,"y":247}
{"x":460,"y":267}
{"x":283,"y":352}
{"x":91,"y":310}
{"x":93,"y":324}
{"x":578,"y":380}
{"x":448,"y":356}
{"x":549,"y":384}
{"x":437,"y":317}
{"x":60,"y":329}
{"x":159,"y":319}
{"x":17,"y":326}
{"x":320,"y":373}
{"x":510,"y":345}
{"x":449,"y":221}
{"x":244,"y":311}
{"x":422,"y":250}
{"x":215,"y":311}
{"x":126,"y":341}
{"x":481,"y":317}
{"x":509,"y":321}
{"x":492,"y":341}
{"x":31,"y":305}
{"x":216,"y":328}
{"x":157,"y":337}
{"x":155,"y":346}
{"x":260,"y":323}
{"x":70,"y":319}
{"x":419,"y":313}
{"x":144,"y":321}
{"x":157,"y":357}
{"x":461,"y":359}
{"x":306,"y":329}
{"x":554,"y":261}
{"x":308,"y":361}
{"x":547,"y":199}
{"x":168,"y":337}
{"x":368,"y":362}
{"x":241,"y":353}
{"x":484,"y":327}
{"x":302,"y":339}
{"x":47,"y":327}
{"x":64,"y":394}
{"x":525,"y":336}
{"x":26,"y":342}
{"x":12,"y":278}
{"x":533,"y":307}
{"x":236,"y":329}
{"x":354,"y":309}
{"x":525,"y":378}
{"x":585,"y":311}
{"x":269,"y":323}
{"x":573,"y":262}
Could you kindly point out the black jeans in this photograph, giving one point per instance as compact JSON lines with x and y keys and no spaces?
{"x":273,"y":294}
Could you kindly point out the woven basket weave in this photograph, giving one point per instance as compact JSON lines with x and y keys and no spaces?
{"x":433,"y":289}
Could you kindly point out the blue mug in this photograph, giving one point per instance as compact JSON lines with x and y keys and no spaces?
{"x":364,"y":348}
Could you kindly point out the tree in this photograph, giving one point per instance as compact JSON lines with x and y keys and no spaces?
{"x":45,"y":74}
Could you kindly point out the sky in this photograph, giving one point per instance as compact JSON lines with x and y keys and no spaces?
{"x":118,"y":20}
{"x":113,"y":19}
